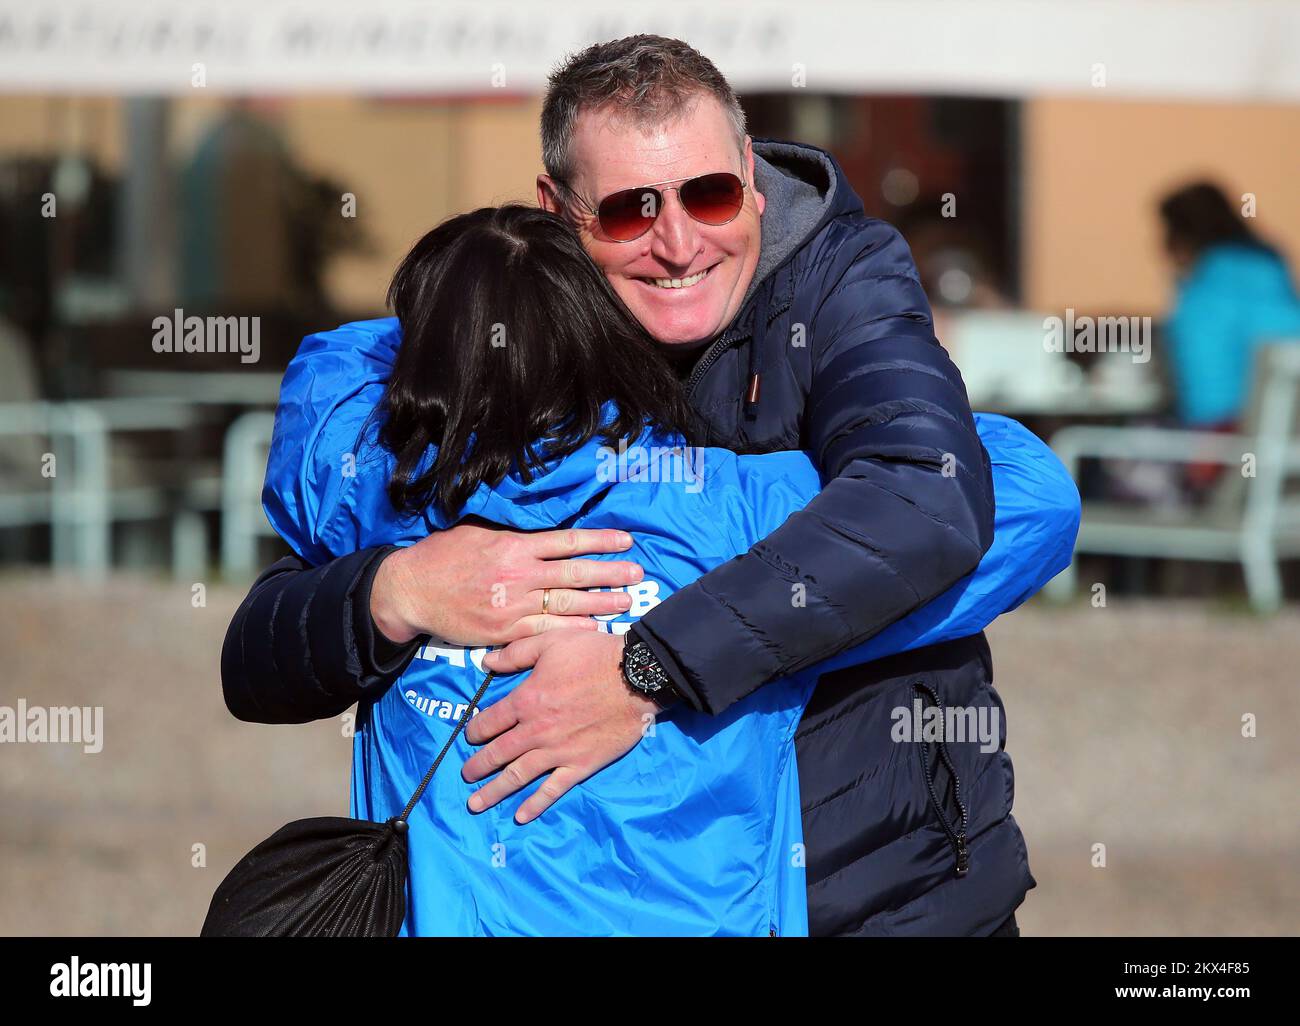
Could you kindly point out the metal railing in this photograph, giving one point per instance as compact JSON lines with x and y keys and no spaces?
{"x":80,"y":503}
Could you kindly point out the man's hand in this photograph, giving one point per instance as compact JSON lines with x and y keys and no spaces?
{"x":482,"y":585}
{"x":573,"y":716}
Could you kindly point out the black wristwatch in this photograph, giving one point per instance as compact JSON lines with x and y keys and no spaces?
{"x":643,"y":674}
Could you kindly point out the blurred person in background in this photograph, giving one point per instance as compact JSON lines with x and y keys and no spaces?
{"x":1234,"y":292}
{"x":258,"y":229}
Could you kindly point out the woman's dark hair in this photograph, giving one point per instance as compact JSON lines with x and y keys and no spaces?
{"x":1198,"y":216}
{"x":511,"y":336}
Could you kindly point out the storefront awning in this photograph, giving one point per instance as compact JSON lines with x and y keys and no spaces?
{"x":1160,"y":49}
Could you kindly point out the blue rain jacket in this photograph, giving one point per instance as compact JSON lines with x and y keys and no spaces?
{"x":697,"y":830}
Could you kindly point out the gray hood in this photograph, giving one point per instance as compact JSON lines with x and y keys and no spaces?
{"x":799,"y":184}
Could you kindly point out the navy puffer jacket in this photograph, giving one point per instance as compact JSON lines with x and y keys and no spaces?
{"x":901,"y":838}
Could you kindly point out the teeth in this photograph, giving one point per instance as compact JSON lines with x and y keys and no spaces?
{"x":677,"y":283}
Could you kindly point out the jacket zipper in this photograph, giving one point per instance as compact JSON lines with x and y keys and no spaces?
{"x":724,"y":343}
{"x":956,"y":837}
{"x":709,"y":359}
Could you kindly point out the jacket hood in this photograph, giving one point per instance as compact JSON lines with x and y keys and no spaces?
{"x":804,"y":188}
{"x":565,"y":486}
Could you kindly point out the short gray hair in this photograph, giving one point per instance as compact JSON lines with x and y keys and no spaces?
{"x":649,"y":79}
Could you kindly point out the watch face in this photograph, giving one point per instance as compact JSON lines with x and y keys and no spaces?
{"x":641,"y":670}
{"x":638,"y":654}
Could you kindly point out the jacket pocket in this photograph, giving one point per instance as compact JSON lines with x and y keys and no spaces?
{"x":956,"y":831}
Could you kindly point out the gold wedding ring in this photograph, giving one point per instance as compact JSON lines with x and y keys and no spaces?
{"x":546,"y":600}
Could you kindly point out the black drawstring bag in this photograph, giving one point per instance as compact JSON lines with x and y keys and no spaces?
{"x":323,"y":877}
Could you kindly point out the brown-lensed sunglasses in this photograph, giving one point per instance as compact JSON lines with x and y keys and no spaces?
{"x":626,"y":215}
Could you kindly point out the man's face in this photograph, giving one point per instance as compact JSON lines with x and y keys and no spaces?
{"x":610,"y":154}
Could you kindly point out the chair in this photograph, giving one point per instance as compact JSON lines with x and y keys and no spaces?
{"x":90,"y":491}
{"x":1250,"y":519}
{"x":247,"y":445}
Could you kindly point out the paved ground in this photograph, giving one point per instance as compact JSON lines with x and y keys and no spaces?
{"x":1124,"y":723}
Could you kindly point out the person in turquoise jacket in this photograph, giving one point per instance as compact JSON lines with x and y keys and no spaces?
{"x":1234,"y":293}
{"x":523,"y":394}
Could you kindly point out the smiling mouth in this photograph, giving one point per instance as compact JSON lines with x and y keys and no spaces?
{"x":678,"y":283}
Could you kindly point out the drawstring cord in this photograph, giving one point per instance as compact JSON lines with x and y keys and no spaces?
{"x":753,"y":393}
{"x":399,"y":823}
